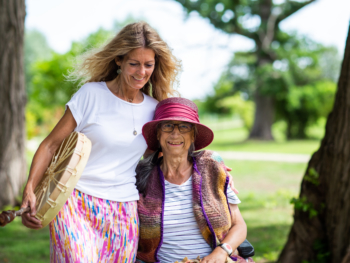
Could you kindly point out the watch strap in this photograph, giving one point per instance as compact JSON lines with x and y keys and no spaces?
{"x":227,"y":248}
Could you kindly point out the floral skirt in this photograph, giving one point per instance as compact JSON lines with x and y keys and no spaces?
{"x":90,"y":229}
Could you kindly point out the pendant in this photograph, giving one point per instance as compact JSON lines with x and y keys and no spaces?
{"x":135,"y":132}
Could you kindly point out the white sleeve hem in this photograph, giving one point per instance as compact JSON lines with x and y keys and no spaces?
{"x":75,"y":114}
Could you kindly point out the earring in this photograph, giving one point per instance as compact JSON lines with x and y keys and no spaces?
{"x":119,"y":71}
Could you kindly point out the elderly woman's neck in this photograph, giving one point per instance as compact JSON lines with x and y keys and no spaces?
{"x":176,"y":170}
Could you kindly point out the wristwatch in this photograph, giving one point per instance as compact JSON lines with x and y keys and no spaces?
{"x":227,"y":248}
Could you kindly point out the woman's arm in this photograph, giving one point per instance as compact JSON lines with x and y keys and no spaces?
{"x":234,"y":238}
{"x":216,"y":156}
{"x":40,"y":163}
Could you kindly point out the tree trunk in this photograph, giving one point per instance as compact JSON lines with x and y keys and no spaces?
{"x":263,"y":118}
{"x":264,"y":104}
{"x":326,"y":192}
{"x":12,"y":101}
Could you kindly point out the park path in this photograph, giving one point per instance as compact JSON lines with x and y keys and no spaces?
{"x":270,"y":157}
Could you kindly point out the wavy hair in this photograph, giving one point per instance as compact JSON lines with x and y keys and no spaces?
{"x":99,"y":64}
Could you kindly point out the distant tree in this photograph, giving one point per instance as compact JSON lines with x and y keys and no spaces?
{"x":35,"y":48}
{"x":299,"y":79}
{"x":48,"y":89}
{"x":321,"y":228}
{"x":258,"y":20}
{"x":12,"y":101}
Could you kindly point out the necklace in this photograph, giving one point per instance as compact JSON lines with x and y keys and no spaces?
{"x":133,"y":120}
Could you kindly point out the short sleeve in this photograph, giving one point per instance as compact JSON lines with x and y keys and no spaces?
{"x":78,"y":104}
{"x":232,"y":197}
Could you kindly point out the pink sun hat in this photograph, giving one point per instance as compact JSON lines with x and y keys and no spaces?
{"x":177,"y":109}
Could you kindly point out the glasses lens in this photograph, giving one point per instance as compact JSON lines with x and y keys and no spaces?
{"x":185,"y":127}
{"x":167,"y":127}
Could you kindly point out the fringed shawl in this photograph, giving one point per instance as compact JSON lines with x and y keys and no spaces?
{"x":210,"y":205}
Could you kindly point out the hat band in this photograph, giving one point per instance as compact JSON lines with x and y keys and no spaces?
{"x":173,"y":110}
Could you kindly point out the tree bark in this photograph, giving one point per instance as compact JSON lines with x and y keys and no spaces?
{"x":12,"y":101}
{"x":329,"y":192}
{"x":263,"y":118}
{"x":264,"y":104}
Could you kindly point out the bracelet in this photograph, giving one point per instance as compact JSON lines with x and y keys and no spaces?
{"x":227,"y":248}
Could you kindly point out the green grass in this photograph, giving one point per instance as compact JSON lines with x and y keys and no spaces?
{"x":20,"y":244}
{"x":230,"y":135}
{"x":268,"y":219}
{"x":265,"y":191}
{"x":235,"y":140}
{"x":266,"y":177}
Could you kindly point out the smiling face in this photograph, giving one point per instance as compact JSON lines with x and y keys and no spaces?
{"x":137,"y":67}
{"x":175,"y":143}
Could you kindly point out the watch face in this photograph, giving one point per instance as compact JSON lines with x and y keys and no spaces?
{"x":227,"y":248}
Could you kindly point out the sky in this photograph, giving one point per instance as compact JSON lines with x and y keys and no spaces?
{"x":204,"y":50}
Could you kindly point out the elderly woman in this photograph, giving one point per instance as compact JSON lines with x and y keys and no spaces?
{"x":124,"y":81}
{"x":186,"y":208}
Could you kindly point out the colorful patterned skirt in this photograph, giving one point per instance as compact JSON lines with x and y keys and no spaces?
{"x":90,"y":229}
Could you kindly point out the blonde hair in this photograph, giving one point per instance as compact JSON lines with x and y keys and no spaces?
{"x":100,"y":65}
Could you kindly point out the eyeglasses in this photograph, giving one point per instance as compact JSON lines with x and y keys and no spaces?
{"x":183,"y":127}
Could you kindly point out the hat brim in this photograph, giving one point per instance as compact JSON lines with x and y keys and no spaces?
{"x":204,"y":137}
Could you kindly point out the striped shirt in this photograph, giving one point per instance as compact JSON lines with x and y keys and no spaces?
{"x":181,"y":235}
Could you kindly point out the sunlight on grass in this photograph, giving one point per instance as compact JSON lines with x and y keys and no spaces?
{"x":268,"y":218}
{"x":266,"y":177}
{"x":233,"y":140}
{"x":20,"y":244}
{"x":230,"y":135}
{"x":265,"y":191}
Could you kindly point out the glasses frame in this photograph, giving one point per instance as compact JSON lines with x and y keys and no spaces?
{"x":176,"y":124}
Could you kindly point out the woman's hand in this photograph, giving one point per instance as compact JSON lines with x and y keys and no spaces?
{"x":28,"y":219}
{"x":40,"y":163}
{"x":230,"y":182}
{"x":217,"y":256}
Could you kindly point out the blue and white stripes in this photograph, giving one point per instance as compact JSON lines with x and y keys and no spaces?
{"x":181,"y":235}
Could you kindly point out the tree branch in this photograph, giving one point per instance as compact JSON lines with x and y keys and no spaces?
{"x":238,"y":29}
{"x":267,"y":39}
{"x":292,"y":7}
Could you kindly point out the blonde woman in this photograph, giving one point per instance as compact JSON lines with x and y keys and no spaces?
{"x":123,"y":83}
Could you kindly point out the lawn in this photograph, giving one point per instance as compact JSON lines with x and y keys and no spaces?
{"x":265,"y":191}
{"x":266,"y":188}
{"x":230,"y":135}
{"x":20,"y":244}
{"x":234,"y":140}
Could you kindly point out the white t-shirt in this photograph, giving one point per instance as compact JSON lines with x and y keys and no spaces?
{"x":108,"y":122}
{"x":181,"y":235}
